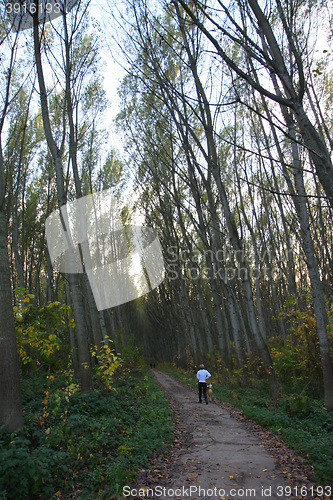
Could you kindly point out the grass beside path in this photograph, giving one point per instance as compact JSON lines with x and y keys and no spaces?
{"x":83,"y":446}
{"x":305,"y":425}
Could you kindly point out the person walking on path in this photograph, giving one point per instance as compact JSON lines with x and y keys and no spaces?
{"x":202,"y":376}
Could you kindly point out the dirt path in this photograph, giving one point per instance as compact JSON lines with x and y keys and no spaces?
{"x":216,"y":456}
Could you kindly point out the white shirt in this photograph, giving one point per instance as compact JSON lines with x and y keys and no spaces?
{"x":203,"y":375}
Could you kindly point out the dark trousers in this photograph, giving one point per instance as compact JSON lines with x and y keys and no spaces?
{"x":203,"y":389}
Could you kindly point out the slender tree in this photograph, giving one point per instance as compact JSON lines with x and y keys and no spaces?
{"x":57,"y":152}
{"x":11,"y":415}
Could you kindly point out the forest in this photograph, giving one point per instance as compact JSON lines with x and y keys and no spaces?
{"x":220,"y":152}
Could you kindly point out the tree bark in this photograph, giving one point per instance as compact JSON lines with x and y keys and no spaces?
{"x":73,"y":279}
{"x":11,"y":415}
{"x":316,"y":284}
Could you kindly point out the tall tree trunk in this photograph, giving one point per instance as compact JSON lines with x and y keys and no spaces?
{"x":73,"y":279}
{"x":72,"y":338}
{"x":317,"y":292}
{"x":11,"y":415}
{"x":315,"y":280}
{"x":81,"y":333}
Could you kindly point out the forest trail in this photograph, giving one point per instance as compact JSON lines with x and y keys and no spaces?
{"x":220,"y":458}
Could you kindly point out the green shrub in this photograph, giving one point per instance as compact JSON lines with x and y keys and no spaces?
{"x":95,"y":441}
{"x":24,"y":469}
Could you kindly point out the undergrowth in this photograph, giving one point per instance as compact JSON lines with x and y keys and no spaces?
{"x":83,"y":445}
{"x":301,"y":421}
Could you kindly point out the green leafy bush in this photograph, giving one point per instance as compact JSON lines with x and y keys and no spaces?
{"x":40,"y":331}
{"x":296,"y":358}
{"x":26,"y":469}
{"x":92,"y":443}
